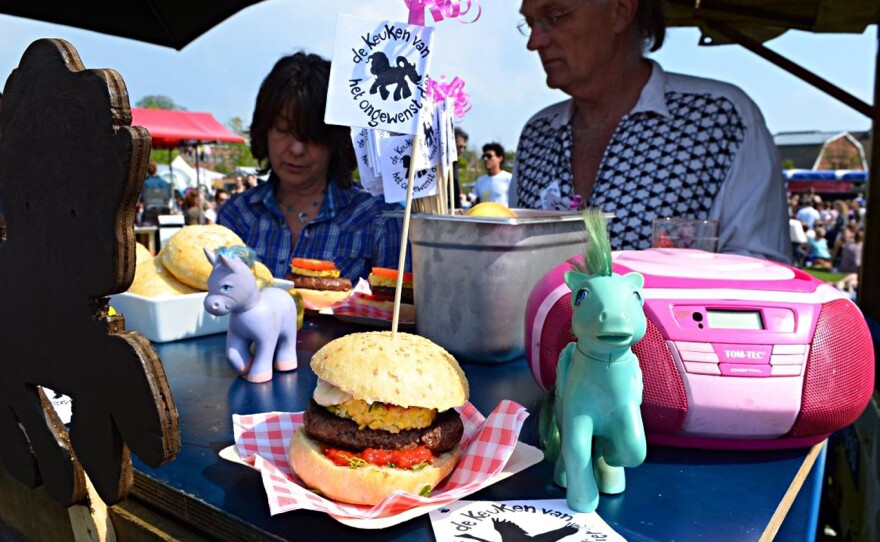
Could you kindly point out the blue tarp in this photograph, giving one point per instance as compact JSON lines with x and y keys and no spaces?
{"x":852,"y":175}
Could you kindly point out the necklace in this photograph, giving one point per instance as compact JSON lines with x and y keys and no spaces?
{"x":303,"y":216}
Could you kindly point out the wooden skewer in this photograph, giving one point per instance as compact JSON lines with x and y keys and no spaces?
{"x":447,"y":178}
{"x":407,"y":211}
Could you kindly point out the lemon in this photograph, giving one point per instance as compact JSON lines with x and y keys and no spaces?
{"x":491,"y":209}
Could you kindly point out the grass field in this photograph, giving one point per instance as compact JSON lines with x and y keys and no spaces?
{"x":826,"y":276}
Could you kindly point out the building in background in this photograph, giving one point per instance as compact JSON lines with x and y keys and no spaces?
{"x":831,"y":164}
{"x":824,"y":150}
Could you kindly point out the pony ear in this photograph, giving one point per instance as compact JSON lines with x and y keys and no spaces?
{"x":227,"y":262}
{"x":636,"y":279}
{"x":211,"y":255}
{"x":573,"y":279}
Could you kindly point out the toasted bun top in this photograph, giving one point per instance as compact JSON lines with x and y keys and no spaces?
{"x":151,"y":279}
{"x":408,"y":370}
{"x":184,"y":256}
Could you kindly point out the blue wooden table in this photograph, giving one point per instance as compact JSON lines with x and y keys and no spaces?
{"x":677,"y":494}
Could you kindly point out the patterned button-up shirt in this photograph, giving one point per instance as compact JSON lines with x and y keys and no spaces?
{"x":352,"y":229}
{"x":690,"y":148}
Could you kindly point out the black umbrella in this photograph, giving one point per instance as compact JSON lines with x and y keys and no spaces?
{"x":170,"y":23}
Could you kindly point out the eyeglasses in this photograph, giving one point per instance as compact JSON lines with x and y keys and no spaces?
{"x":488,"y":156}
{"x":547,"y":22}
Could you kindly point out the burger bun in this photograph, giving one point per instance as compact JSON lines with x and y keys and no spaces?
{"x":317,"y":300}
{"x":403,"y":369}
{"x":367,"y":485}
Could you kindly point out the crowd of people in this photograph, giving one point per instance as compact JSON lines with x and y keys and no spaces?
{"x":827,"y":235}
{"x":159,"y":197}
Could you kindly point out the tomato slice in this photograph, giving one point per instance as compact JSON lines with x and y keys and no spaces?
{"x":411,"y":458}
{"x":387,"y":273}
{"x":313,"y":265}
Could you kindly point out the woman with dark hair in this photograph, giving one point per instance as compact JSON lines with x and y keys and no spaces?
{"x":310,"y":207}
{"x":640,"y":142}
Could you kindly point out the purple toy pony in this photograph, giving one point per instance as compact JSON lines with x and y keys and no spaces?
{"x":266,"y":318}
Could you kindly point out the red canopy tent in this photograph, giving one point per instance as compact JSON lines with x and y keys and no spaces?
{"x":171,"y":129}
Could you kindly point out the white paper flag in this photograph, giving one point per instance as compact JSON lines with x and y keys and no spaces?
{"x":429,"y":142}
{"x":449,"y":113}
{"x":360,"y":139}
{"x":395,"y":157}
{"x":378,"y":74}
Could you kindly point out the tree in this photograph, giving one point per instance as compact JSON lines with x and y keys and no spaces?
{"x":237,"y":126}
{"x":158,"y":101}
{"x":240,"y":154}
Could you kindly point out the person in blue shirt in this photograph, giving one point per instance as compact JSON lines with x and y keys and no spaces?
{"x":310,"y":207}
{"x":156,"y":196}
{"x":819,"y":256}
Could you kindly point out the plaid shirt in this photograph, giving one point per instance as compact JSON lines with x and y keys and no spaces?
{"x":349,"y":230}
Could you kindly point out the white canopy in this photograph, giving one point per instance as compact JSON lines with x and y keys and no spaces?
{"x":182,"y":176}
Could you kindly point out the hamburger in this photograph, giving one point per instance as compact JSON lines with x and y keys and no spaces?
{"x":383,"y":285}
{"x":318,"y":282}
{"x":382,"y":418}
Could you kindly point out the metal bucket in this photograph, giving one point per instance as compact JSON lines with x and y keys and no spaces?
{"x":472,"y":276}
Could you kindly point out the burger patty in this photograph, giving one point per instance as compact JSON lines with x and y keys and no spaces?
{"x":340,"y":284}
{"x":441,"y":436}
{"x":406,"y":294}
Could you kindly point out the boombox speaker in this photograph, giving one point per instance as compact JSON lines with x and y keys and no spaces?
{"x":740,"y":353}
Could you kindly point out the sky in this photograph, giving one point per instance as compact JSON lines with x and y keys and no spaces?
{"x":220,"y":72}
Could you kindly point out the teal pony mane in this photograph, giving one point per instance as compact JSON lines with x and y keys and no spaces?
{"x":597,"y":255}
{"x":243,"y":253}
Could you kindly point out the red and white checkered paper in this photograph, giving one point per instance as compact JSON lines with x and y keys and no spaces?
{"x":262,"y":441}
{"x":351,"y":307}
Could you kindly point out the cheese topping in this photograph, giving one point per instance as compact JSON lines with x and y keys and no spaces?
{"x":391,"y":418}
{"x":376,"y":280}
{"x":330,"y":273}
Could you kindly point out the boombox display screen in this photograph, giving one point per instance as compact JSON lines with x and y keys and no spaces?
{"x":735,"y":319}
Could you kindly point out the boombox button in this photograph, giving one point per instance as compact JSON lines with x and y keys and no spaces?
{"x":743,"y":353}
{"x":790,"y":349}
{"x":786,"y":370}
{"x":687,"y":346}
{"x":787,"y":359}
{"x":703,"y":357}
{"x":732,"y":369}
{"x":701,"y":368}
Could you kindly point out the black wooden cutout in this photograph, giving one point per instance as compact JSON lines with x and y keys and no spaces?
{"x":71,"y":168}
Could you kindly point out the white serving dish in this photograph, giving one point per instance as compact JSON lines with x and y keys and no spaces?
{"x":168,"y":318}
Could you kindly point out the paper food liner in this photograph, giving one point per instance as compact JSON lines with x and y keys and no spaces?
{"x":351,"y":307}
{"x":262,"y":440}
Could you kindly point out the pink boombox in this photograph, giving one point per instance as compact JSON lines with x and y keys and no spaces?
{"x":740,"y":353}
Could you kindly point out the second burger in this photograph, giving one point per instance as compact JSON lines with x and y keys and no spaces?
{"x":318,"y":282}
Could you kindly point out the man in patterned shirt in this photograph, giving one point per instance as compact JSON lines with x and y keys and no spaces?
{"x":310,"y":207}
{"x":639,"y":142}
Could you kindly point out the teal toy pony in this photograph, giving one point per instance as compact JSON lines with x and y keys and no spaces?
{"x":590,"y":422}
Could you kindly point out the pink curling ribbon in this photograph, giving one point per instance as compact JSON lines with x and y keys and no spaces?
{"x":441,"y":9}
{"x":440,"y":90}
